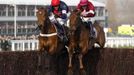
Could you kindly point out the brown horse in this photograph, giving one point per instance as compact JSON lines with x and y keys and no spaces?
{"x":79,"y":40}
{"x":48,"y":39}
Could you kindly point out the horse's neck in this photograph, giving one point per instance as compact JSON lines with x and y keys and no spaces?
{"x":78,"y":29}
{"x":47,"y":28}
{"x":80,"y":23}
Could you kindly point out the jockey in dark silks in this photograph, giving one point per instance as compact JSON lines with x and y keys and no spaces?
{"x":58,"y":11}
{"x":88,"y":11}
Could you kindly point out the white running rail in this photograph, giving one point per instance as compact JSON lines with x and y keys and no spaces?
{"x":116,"y":42}
{"x":111,"y":42}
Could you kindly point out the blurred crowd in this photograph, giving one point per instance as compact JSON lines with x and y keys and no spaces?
{"x":5,"y":43}
{"x":23,"y":37}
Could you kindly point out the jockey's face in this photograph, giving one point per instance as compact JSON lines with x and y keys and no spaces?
{"x":84,"y":7}
{"x":56,"y":7}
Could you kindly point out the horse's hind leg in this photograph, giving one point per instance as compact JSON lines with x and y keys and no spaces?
{"x":101,"y":41}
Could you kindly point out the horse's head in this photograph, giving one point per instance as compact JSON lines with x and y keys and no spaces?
{"x":42,"y":16}
{"x":74,"y":19}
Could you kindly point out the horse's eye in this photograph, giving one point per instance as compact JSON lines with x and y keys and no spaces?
{"x":40,"y":12}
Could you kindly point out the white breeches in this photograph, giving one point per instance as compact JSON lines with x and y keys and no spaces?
{"x":57,"y":20}
{"x":84,"y":19}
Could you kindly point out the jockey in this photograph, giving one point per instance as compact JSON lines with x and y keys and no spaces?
{"x":58,"y":11}
{"x":88,"y":11}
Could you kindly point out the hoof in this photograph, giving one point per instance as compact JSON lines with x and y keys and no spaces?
{"x":82,"y":72}
{"x":70,"y":72}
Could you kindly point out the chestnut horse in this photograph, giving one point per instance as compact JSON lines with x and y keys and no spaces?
{"x":48,"y":38}
{"x":79,"y":40}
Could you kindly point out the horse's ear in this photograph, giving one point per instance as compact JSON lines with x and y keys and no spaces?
{"x":40,"y":8}
{"x":75,"y":10}
{"x":78,"y":12}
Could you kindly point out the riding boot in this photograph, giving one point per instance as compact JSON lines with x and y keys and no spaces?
{"x":59,"y":29}
{"x":65,"y":39}
{"x":62,"y":33}
{"x":92,"y":33}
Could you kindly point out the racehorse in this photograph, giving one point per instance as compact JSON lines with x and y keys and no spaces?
{"x":49,"y":41}
{"x":79,"y":39}
{"x":48,"y":38}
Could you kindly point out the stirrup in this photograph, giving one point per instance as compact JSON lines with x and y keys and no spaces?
{"x":92,"y":35}
{"x":65,"y":39}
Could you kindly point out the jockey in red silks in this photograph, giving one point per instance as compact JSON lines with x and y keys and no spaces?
{"x":60,"y":9}
{"x":88,"y":11}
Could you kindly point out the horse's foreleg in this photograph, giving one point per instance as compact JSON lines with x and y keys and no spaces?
{"x":70,"y":52}
{"x":70,"y":60}
{"x":80,"y":56}
{"x":84,"y":49}
{"x":82,"y":71}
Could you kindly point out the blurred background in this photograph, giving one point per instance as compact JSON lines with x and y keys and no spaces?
{"x":120,"y":17}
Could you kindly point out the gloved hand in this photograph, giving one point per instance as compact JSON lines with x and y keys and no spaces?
{"x":52,"y":18}
{"x":63,"y":16}
{"x":84,"y":13}
{"x":57,"y":15}
{"x":60,"y":21}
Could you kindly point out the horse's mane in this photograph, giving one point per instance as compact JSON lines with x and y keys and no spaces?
{"x":76,"y":11}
